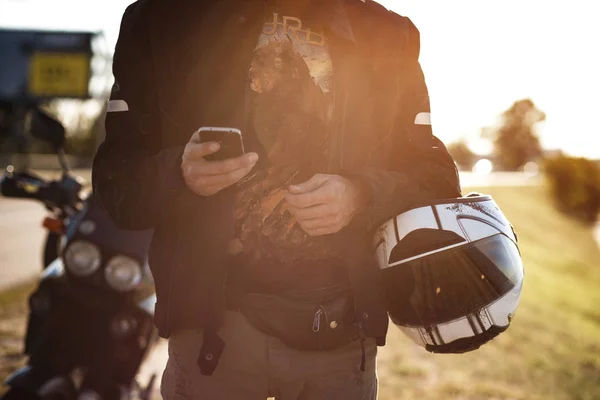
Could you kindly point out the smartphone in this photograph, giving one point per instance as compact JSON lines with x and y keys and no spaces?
{"x":229,"y":139}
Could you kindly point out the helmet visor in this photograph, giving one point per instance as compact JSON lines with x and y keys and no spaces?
{"x":451,"y":284}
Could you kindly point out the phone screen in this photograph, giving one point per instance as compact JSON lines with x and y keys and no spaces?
{"x":229,"y":139}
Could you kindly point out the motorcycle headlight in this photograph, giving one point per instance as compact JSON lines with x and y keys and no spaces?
{"x":123,"y":273}
{"x":123,"y":326}
{"x":82,"y":258}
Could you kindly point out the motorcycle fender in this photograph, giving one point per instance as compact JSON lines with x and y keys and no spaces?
{"x":54,"y":270}
{"x":26,"y":378}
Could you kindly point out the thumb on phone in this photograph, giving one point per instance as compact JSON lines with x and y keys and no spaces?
{"x":197,"y":151}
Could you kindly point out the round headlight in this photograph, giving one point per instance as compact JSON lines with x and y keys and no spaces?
{"x":123,"y":273}
{"x":82,"y":258}
{"x":123,"y":326}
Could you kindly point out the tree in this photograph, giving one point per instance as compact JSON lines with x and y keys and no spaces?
{"x":462,"y":154}
{"x":516,"y":141}
{"x":84,"y":123}
{"x":85,"y":139}
{"x":575,"y":185}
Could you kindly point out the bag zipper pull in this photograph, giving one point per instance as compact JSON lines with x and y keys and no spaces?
{"x":317,"y":321}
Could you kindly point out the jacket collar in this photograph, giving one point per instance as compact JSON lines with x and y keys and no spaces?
{"x":339,"y":22}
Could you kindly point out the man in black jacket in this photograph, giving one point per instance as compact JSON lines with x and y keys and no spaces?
{"x":265,"y":280}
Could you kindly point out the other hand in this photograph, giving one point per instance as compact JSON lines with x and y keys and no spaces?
{"x":207,"y":178}
{"x":325,"y":204}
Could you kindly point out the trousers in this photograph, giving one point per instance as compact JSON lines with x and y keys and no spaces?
{"x":255,"y":366}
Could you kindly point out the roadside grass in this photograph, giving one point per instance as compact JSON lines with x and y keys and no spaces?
{"x":552,"y":349}
{"x":13,"y":312}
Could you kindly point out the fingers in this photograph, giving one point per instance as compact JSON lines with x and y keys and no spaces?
{"x":227,"y":166}
{"x":195,"y":137}
{"x":212,"y":184}
{"x":312,"y":184}
{"x":208,"y":178}
{"x":318,"y":211}
{"x":322,"y":195}
{"x":322,"y":231}
{"x":224,"y":180}
{"x":319,"y":220}
{"x":323,"y":205}
{"x":318,"y":223}
{"x":201,"y":168}
{"x":197,"y":151}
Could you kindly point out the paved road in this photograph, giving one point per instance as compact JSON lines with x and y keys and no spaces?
{"x":21,"y":240}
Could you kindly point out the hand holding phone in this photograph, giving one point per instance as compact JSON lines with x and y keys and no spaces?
{"x":230,"y":142}
{"x":208,"y":177}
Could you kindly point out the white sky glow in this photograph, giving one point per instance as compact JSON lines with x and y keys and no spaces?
{"x":478,"y":57}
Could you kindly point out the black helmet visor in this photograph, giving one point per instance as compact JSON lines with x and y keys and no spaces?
{"x":453,"y":283}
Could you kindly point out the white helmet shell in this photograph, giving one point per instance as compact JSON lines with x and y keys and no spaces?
{"x":452,"y":271}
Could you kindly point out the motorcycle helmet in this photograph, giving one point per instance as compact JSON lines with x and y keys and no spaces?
{"x":452,"y":272}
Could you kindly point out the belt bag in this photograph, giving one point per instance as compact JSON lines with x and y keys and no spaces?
{"x":321,"y":319}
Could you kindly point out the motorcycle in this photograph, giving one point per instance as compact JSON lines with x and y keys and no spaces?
{"x":90,"y":319}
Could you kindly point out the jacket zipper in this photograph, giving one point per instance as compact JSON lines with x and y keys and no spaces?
{"x":317,"y":321}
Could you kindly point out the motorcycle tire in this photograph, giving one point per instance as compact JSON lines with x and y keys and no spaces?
{"x":58,"y":388}
{"x":19,"y":394}
{"x":51,"y":248}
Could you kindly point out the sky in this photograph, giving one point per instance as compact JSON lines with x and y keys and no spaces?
{"x":478,"y":58}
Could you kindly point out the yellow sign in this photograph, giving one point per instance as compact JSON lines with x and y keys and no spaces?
{"x":59,"y":74}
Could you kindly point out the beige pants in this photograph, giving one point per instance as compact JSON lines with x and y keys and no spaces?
{"x":255,"y":366}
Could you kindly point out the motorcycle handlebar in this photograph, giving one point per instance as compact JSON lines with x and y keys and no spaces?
{"x":22,"y":185}
{"x":25,"y":185}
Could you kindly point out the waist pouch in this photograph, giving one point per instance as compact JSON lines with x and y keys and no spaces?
{"x":321,"y":319}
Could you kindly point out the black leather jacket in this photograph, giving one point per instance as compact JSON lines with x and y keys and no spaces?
{"x":178,"y":63}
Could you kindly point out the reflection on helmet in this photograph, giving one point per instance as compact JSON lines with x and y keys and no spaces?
{"x":452,"y":271}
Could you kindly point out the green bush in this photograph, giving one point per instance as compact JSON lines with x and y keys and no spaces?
{"x":462,"y":154}
{"x":575,"y":186}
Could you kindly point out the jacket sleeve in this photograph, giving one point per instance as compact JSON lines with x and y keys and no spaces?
{"x":133,"y":176}
{"x":420,"y":168}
